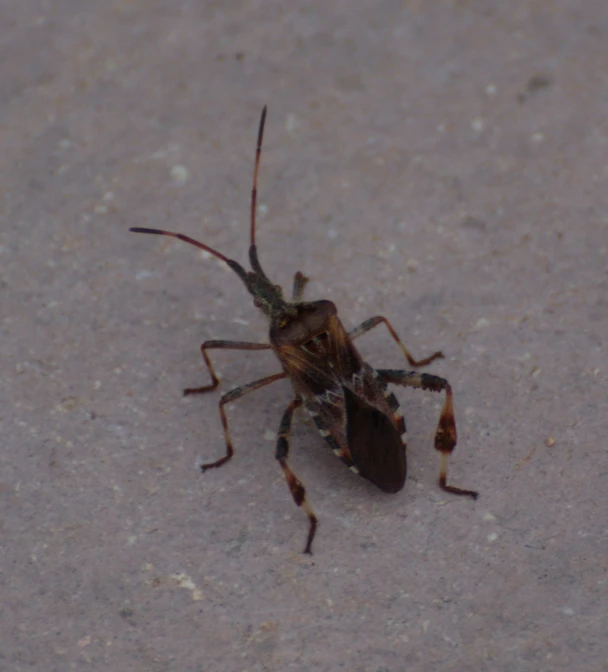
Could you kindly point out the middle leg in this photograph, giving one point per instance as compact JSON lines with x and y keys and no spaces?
{"x":233,"y":395}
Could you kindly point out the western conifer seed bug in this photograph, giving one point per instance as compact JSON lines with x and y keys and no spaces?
{"x":348,"y":400}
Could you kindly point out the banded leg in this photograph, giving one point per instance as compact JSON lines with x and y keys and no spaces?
{"x":445,"y":436}
{"x":221,"y":345}
{"x":296,"y":488}
{"x":368,"y":325}
{"x":299,"y":282}
{"x":233,"y":395}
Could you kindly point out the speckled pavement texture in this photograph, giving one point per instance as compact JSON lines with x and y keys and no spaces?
{"x":444,"y":164}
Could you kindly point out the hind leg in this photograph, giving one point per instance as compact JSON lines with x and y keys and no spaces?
{"x":445,"y":436}
{"x":298,"y":492}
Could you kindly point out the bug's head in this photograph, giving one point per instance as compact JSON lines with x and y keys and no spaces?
{"x":266,"y":295}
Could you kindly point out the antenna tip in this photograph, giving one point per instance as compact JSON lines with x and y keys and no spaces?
{"x":139,"y":229}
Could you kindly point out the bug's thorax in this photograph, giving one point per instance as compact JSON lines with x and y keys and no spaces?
{"x":300,"y":324}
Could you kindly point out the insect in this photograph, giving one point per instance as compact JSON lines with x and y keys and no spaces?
{"x":348,"y":400}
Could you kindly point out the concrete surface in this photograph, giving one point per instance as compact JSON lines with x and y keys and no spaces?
{"x":443,"y":164}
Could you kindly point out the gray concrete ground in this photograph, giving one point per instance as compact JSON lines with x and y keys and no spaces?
{"x":443,"y":164}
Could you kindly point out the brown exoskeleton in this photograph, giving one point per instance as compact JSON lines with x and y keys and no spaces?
{"x":348,"y":400}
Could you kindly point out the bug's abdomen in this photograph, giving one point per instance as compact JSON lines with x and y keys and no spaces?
{"x":367,"y":439}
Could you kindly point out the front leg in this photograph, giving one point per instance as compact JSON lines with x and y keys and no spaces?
{"x":445,"y":436}
{"x":368,"y":325}
{"x":299,"y":282}
{"x":221,"y":345}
